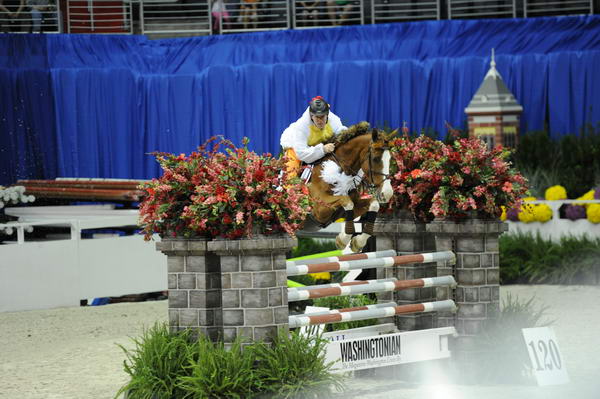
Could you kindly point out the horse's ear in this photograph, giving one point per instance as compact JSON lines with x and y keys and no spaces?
{"x":374,"y":135}
{"x":391,"y":135}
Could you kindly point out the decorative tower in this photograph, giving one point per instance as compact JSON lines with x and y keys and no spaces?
{"x":494,"y":113}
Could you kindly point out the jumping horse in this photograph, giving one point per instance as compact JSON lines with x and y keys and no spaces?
{"x":351,"y":182}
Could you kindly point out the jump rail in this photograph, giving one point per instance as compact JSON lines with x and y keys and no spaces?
{"x":371,"y":286}
{"x":296,"y":270}
{"x":341,"y":258}
{"x":307,"y":320}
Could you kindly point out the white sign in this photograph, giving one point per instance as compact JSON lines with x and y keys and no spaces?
{"x":390,"y":349}
{"x":546,"y":360}
{"x":354,"y":333}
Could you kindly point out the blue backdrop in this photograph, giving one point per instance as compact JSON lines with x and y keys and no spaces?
{"x":95,"y":105}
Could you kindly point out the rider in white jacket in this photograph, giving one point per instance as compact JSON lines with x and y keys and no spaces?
{"x":305,"y":137}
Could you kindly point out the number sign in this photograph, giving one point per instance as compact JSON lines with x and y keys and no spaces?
{"x":546,"y":359}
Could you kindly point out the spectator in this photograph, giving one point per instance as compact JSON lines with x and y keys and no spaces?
{"x":343,"y":7}
{"x":220,"y":15}
{"x":10,"y":15}
{"x":42,"y":11}
{"x":249,"y":13}
{"x":309,"y":13}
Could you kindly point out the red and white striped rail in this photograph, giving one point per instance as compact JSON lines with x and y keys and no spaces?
{"x":342,"y":258}
{"x":296,"y":270}
{"x":365,"y":307}
{"x":307,"y":320}
{"x":370,"y":286}
{"x":343,"y":284}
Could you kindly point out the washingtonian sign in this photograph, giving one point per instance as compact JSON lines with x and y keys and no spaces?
{"x":386,"y":350}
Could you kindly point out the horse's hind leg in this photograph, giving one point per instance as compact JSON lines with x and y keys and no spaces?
{"x":358,"y":242}
{"x":342,"y":239}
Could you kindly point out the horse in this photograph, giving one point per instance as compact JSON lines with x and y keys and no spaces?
{"x":351,"y":182}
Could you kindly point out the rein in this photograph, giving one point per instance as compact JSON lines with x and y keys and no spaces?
{"x":368,"y":184}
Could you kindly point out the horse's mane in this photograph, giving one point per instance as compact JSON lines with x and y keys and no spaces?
{"x":353,"y":131}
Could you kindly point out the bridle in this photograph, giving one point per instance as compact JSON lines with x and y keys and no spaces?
{"x":368,"y":185}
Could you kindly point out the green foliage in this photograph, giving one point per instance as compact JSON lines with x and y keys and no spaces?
{"x":156,"y":363}
{"x":309,"y":246}
{"x":216,"y":372}
{"x":503,"y":355}
{"x":166,"y":365}
{"x":341,"y":302}
{"x":294,"y":367}
{"x":528,"y":259}
{"x":573,"y":161}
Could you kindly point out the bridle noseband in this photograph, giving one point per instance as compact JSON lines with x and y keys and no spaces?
{"x":368,"y":184}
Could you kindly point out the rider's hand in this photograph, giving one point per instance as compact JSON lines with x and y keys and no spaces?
{"x":327,"y":148}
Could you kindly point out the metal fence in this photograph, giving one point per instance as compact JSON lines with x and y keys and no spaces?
{"x":481,"y":9}
{"x":39,"y":17}
{"x":204,"y":17}
{"x":319,"y":14}
{"x":384,"y":11}
{"x":171,"y":16}
{"x":254,"y":15}
{"x":534,"y":8}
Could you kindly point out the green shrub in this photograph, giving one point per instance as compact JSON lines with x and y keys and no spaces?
{"x":309,"y":246}
{"x":216,"y":372}
{"x":341,"y":302}
{"x":166,"y":365}
{"x":503,"y":356}
{"x":156,"y":363}
{"x":528,"y":259}
{"x":294,"y":366}
{"x":573,"y":161}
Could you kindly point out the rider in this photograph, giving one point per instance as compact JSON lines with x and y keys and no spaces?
{"x":303,"y":139}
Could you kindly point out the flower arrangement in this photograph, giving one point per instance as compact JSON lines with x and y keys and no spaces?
{"x":452,"y":181}
{"x":231,"y":193}
{"x":593,"y":213}
{"x":555,"y":193}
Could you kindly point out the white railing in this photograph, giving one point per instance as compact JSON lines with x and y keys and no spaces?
{"x":31,"y":19}
{"x":481,"y":8}
{"x":556,"y":227}
{"x":98,"y":16}
{"x":60,"y":270}
{"x":384,"y":11}
{"x":256,"y":16}
{"x":168,"y":16}
{"x":327,"y":13}
{"x":535,"y":8}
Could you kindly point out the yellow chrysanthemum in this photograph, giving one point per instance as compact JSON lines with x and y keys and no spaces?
{"x":593,"y":213}
{"x":555,"y":193}
{"x":542,"y":213}
{"x":529,"y":199}
{"x":503,"y":216}
{"x":526,"y":213}
{"x":587,"y":197}
{"x":321,"y":276}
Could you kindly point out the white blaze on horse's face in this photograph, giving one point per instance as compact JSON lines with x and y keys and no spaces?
{"x":386,"y":191}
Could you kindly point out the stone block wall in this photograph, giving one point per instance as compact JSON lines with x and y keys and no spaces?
{"x":226,"y":288}
{"x":477,"y":273}
{"x":406,"y":237}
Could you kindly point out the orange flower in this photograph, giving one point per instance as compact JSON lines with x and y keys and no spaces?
{"x":415,"y":173}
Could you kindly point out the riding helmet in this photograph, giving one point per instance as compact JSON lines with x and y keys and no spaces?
{"x":318,"y":106}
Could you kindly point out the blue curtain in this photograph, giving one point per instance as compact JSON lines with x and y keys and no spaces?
{"x":97,"y":105}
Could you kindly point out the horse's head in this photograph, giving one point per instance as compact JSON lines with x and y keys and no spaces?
{"x":376,"y":164}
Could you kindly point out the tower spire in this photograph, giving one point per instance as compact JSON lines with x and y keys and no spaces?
{"x":493,"y":72}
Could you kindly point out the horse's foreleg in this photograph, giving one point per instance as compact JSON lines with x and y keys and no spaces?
{"x":359,"y":241}
{"x":345,"y":235}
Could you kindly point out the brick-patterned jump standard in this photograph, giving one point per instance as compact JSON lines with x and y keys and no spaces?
{"x":296,"y":270}
{"x":307,"y":320}
{"x":302,"y":293}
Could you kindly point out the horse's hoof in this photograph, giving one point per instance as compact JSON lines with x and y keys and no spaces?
{"x":355,"y":246}
{"x":339,"y":244}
